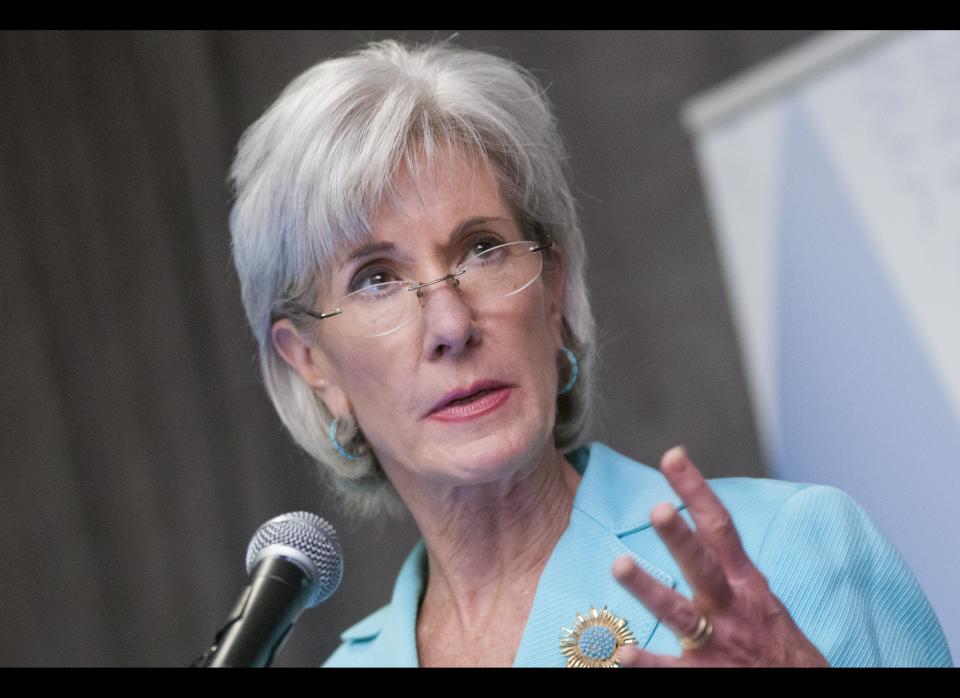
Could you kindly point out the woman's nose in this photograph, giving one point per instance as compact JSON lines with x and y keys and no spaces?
{"x":449,"y":326}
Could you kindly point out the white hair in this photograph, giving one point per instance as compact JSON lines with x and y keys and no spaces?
{"x":312,"y":170}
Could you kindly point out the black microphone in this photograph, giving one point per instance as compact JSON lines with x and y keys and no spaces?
{"x":295,"y":562}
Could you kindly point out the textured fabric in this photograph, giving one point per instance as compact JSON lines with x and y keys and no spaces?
{"x":843,"y":582}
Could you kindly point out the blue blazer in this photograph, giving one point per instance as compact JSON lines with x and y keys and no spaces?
{"x":845,"y":585}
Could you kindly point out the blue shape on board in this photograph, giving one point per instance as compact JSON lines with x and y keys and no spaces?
{"x":859,"y":404}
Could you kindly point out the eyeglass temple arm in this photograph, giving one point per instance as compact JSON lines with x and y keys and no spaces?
{"x":318,"y":316}
{"x":545,"y":246}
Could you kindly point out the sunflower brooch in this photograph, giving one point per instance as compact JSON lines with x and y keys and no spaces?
{"x":595,"y":639}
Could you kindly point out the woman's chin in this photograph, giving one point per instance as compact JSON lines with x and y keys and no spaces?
{"x":489,"y":459}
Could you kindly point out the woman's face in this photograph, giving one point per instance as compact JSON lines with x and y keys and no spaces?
{"x":393,"y":384}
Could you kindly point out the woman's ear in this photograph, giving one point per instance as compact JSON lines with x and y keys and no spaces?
{"x":310,"y":362}
{"x":556,"y":279}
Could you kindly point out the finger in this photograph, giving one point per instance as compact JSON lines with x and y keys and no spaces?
{"x":700,"y":566}
{"x":675,"y":610}
{"x":632,"y":657}
{"x":714,"y":523}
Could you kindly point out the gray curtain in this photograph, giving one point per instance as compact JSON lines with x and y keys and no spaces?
{"x":139,"y":451}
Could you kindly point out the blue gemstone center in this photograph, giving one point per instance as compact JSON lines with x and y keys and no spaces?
{"x":597,"y":642}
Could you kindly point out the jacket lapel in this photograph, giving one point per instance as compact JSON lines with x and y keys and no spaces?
{"x":614,"y":499}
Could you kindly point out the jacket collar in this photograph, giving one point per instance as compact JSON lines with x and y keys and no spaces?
{"x":393,"y":629}
{"x":617,"y":491}
{"x":613,"y":500}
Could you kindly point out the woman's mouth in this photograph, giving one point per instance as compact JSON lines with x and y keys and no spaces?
{"x":477,"y":403}
{"x":469,"y":398}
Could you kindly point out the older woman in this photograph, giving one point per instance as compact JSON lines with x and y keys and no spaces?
{"x":413,"y":269}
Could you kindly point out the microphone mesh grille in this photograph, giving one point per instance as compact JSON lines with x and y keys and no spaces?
{"x":311,"y":536}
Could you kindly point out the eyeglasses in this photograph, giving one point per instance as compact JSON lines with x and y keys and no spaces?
{"x":379,"y":309}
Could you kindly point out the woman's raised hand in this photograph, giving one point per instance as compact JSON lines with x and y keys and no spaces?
{"x":733,"y":619}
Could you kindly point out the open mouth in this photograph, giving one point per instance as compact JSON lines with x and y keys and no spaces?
{"x":477,"y":403}
{"x":469,"y":398}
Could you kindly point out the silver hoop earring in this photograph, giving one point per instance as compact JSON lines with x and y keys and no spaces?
{"x":574,"y":372}
{"x":332,"y":433}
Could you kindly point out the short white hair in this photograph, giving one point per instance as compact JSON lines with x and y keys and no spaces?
{"x":312,"y":170}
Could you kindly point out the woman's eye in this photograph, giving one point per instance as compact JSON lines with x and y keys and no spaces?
{"x":481,"y":245}
{"x":371,"y":277}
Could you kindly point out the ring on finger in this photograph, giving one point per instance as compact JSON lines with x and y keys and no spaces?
{"x":698,"y":638}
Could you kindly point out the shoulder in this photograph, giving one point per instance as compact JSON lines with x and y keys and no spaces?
{"x":843,"y":581}
{"x":760,"y":505}
{"x":846,"y":584}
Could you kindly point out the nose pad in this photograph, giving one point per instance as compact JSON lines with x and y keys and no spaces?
{"x":450,"y":279}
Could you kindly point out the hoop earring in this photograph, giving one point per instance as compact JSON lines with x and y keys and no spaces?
{"x":574,"y":372}
{"x":332,"y":433}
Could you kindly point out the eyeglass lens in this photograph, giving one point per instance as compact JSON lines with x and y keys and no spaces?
{"x":381,"y":309}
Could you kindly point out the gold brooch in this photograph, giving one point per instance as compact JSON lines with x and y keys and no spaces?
{"x":595,"y":639}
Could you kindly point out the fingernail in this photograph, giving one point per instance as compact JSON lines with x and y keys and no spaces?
{"x":626,"y":655}
{"x":662,"y":512}
{"x":622,"y":567}
{"x":676,"y":458}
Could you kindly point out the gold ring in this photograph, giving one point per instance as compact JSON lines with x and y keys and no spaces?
{"x":699,"y":637}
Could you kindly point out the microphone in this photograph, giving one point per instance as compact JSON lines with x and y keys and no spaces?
{"x":296,"y":563}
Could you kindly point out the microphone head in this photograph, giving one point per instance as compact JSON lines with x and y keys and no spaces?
{"x":306,"y":540}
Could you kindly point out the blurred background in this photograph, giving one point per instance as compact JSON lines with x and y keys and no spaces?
{"x":139,"y":450}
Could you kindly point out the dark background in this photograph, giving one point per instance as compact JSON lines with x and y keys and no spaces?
{"x":139,"y":450}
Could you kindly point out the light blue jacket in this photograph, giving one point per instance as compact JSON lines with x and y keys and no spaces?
{"x":845,"y":585}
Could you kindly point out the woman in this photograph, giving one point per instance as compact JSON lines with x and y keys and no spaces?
{"x":413,"y":269}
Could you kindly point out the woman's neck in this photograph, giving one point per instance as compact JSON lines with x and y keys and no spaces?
{"x":487,"y":546}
